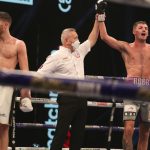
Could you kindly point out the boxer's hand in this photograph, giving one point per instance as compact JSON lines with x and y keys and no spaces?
{"x":25,"y":104}
{"x":100,"y":6}
{"x":101,"y":17}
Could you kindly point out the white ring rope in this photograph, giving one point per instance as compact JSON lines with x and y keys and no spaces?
{"x":48,"y":101}
{"x":90,"y":103}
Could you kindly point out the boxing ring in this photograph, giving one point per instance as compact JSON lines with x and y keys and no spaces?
{"x":87,"y":127}
{"x":92,"y":87}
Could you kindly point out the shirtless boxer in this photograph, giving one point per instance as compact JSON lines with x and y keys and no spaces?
{"x":12,"y":52}
{"x":136,"y":57}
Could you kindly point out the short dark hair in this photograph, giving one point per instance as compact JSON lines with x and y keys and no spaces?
{"x":139,"y":22}
{"x":6,"y":17}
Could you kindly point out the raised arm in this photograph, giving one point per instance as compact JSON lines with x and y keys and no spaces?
{"x":111,"y":41}
{"x":93,"y":36}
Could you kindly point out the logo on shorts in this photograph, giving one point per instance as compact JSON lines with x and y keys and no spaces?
{"x":130,"y":114}
{"x":141,"y":81}
{"x":131,"y":109}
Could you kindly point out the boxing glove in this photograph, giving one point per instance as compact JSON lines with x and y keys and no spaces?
{"x":100,"y":6}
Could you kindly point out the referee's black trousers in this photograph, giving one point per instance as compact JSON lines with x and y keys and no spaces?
{"x":72,"y":111}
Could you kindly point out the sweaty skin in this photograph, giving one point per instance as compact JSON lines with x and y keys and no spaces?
{"x":137,"y":60}
{"x":136,"y":55}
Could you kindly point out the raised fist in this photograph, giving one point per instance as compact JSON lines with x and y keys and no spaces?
{"x":100,"y":6}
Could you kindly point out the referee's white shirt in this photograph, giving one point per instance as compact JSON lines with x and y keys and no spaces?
{"x":66,"y":64}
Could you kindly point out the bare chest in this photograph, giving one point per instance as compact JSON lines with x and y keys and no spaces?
{"x":8,"y":50}
{"x":140,"y":55}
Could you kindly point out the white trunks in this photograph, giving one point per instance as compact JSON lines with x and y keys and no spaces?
{"x":6,"y":93}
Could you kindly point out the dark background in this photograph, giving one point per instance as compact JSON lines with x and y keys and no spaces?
{"x":40,"y":27}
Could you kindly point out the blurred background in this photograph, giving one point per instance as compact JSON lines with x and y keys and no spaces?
{"x":40,"y":22}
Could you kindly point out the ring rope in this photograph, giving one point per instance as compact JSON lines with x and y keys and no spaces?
{"x":90,"y":103}
{"x":82,"y":88}
{"x":85,"y":88}
{"x":88,"y":127}
{"x":45,"y":148}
